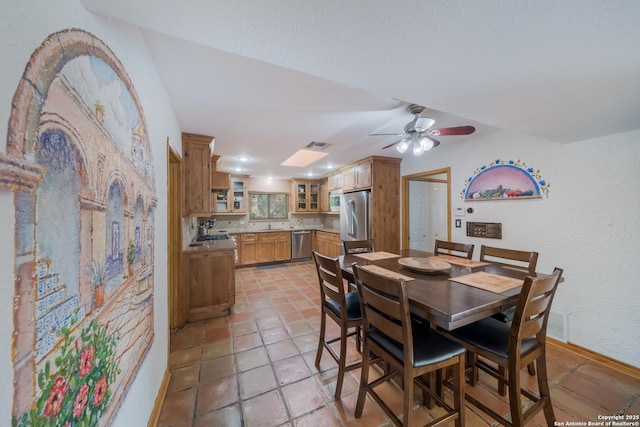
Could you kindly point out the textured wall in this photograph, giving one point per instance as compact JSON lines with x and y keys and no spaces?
{"x":589,"y":225}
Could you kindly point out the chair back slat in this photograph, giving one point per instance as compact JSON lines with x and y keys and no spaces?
{"x":462,"y":250}
{"x":385,"y":307}
{"x":330,"y":279}
{"x":358,"y":246}
{"x":533,"y":308}
{"x":510,"y":258}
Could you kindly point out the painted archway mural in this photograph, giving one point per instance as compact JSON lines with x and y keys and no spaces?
{"x":505,"y":180}
{"x":79,"y":166}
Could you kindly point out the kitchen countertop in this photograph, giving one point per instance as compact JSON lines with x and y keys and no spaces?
{"x":211,"y":245}
{"x":245,"y":230}
{"x":225,"y":245}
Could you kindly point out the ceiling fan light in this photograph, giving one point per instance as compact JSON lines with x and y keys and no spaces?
{"x":402,"y":145}
{"x":423,"y":123}
{"x":417,"y":150}
{"x":426,"y":144}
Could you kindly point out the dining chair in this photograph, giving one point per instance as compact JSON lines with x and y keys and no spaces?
{"x":462,"y":250}
{"x":405,"y":348}
{"x":341,"y":307}
{"x":511,"y":347}
{"x":358,"y":246}
{"x":518,"y":260}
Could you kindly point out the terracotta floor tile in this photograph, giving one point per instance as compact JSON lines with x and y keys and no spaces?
{"x":281,"y":350}
{"x":184,"y":378}
{"x":231,"y":416}
{"x":251,"y":359}
{"x":291,"y":317}
{"x":299,"y":328}
{"x":184,"y":357}
{"x":291,"y":369}
{"x":185,"y":340}
{"x":216,"y":349}
{"x":256,"y":381}
{"x":266,"y":410}
{"x":321,"y":417}
{"x":269,"y":336}
{"x":178,"y":407}
{"x":302,"y":397}
{"x":217,"y":394}
{"x":306,"y":342}
{"x":217,"y":322}
{"x":215,"y":334}
{"x":247,"y":342}
{"x":244,"y":328}
{"x":603,"y":387}
{"x":372,"y":415}
{"x":214,"y":369}
{"x":268,"y":322}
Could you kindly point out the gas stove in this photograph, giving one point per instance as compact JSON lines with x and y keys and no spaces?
{"x":207,"y":237}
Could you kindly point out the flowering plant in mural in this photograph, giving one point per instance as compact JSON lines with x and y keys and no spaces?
{"x":75,"y":391}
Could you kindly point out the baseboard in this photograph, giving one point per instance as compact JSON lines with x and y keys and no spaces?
{"x":157,"y":405}
{"x":607,"y":361}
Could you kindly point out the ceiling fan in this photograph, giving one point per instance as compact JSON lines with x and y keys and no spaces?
{"x":419,"y":133}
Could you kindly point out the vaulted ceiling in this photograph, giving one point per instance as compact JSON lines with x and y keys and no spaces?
{"x":266,"y":78}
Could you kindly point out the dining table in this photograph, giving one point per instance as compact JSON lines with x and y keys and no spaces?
{"x":437,"y":295}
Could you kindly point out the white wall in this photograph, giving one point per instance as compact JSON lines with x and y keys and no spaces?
{"x":589,"y":225}
{"x":23,"y":27}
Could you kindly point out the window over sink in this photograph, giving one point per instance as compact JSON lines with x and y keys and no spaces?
{"x":268,"y":206}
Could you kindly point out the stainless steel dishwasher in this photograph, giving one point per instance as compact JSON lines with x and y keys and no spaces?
{"x":300,"y":245}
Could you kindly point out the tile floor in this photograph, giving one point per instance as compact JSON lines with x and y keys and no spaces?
{"x":256,"y":368}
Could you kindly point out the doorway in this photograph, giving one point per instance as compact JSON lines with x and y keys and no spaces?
{"x":426,"y":209}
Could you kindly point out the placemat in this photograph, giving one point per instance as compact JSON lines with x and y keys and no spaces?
{"x":386,"y":273}
{"x":372,"y":256}
{"x":489,"y":282}
{"x":461,"y":261}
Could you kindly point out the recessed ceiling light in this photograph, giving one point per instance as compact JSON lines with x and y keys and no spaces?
{"x":238,"y":169}
{"x":243,"y":158}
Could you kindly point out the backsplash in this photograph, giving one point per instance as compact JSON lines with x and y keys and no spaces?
{"x":242,"y":223}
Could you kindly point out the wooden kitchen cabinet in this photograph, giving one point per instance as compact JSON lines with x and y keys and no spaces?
{"x":274,"y":246}
{"x":327,"y":243}
{"x":231,"y":199}
{"x":247,"y":248}
{"x":239,"y":194}
{"x":335,"y":181}
{"x":324,"y":195}
{"x":196,"y":175}
{"x":210,"y":280}
{"x":357,"y":176}
{"x":305,"y":195}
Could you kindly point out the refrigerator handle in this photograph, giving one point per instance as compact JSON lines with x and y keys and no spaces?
{"x":352,"y":218}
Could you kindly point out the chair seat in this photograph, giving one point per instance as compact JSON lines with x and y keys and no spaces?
{"x":505,"y":316}
{"x":491,"y":335}
{"x":429,"y":346}
{"x":353,"y":306}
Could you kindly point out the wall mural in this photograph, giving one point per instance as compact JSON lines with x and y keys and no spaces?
{"x":79,"y":166}
{"x":504,"y":180}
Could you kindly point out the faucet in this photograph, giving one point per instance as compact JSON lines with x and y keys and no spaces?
{"x":269,"y":225}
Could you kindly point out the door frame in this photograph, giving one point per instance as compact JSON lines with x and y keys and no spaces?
{"x":177,"y":315}
{"x":427,"y":176}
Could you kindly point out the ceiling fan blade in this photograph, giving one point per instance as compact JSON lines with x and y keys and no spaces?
{"x":459,"y":130}
{"x":391,"y":145}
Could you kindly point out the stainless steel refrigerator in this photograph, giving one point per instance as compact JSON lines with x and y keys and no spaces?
{"x":355,"y":216}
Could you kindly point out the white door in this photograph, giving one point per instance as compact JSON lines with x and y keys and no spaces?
{"x":419,"y":221}
{"x":439,"y":210}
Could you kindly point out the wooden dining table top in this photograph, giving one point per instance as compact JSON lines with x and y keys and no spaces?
{"x":435,"y":298}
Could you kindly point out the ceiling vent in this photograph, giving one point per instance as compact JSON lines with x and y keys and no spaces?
{"x":318,"y":146}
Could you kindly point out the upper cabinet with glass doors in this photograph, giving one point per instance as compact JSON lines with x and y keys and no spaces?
{"x":305,"y":195}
